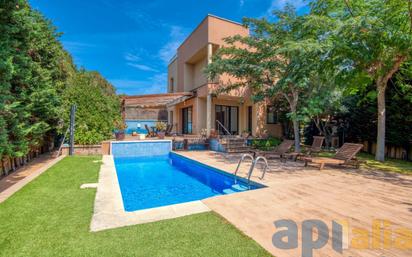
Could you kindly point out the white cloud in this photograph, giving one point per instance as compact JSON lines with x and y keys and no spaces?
{"x":132,"y":57}
{"x":176,"y":36}
{"x":141,"y":67}
{"x":153,"y":85}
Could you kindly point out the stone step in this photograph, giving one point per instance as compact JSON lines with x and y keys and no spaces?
{"x":235,"y":189}
{"x":238,"y":150}
{"x":232,"y":142}
{"x":235,"y":144}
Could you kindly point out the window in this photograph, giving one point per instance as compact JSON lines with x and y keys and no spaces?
{"x":187,"y":120}
{"x":272,"y":115}
{"x":249,"y":118}
{"x":172,"y":85}
{"x":228,"y":116}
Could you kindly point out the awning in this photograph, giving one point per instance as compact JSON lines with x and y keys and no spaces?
{"x":155,"y":100}
{"x":178,"y":100}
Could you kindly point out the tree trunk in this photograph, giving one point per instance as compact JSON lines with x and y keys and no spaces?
{"x":380,"y":140}
{"x":296,"y":134}
{"x":293,"y":103}
{"x":381,"y":84}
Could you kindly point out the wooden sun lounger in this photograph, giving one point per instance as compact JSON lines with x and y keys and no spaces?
{"x":344,"y":156}
{"x":150,"y":133}
{"x":169,"y":129}
{"x":316,"y":146}
{"x":280,"y":151}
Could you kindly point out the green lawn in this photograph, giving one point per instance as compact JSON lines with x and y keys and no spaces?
{"x":390,"y":165}
{"x":51,"y":217}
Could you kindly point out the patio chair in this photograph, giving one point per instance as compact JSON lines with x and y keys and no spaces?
{"x":169,"y":129}
{"x":280,"y":151}
{"x":346,"y":155}
{"x":150,"y":133}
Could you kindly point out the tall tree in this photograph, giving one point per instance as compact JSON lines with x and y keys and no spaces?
{"x":275,"y":60}
{"x":98,"y":107}
{"x":34,"y":69}
{"x":372,"y":39}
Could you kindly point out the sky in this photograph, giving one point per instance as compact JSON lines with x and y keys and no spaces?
{"x":131,"y":42}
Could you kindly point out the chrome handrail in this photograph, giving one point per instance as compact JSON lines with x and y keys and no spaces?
{"x":240,"y":161}
{"x":266,"y":165}
{"x":224,"y":128}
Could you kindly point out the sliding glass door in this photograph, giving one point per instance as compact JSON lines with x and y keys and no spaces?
{"x":187,"y":114}
{"x":228,"y":116}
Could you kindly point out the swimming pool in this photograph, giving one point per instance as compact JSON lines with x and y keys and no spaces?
{"x":150,"y":176}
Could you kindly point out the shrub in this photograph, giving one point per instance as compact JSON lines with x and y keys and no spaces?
{"x":266,"y":144}
{"x":98,"y":108}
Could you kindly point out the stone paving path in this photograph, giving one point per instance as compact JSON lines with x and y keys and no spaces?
{"x":16,"y":180}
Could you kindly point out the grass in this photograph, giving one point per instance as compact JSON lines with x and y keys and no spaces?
{"x":390,"y":165}
{"x":51,"y":217}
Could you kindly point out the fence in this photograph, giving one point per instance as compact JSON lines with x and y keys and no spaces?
{"x":8,"y":165}
{"x":395,"y":152}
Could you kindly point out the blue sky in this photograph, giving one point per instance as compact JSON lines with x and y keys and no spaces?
{"x":130,"y":42}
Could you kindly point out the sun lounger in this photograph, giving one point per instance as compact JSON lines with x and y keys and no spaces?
{"x":150,"y":133}
{"x":169,"y":129}
{"x":280,"y":151}
{"x":316,"y":146}
{"x":344,"y":156}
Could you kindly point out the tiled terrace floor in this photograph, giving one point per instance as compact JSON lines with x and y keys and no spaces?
{"x":298,"y":193}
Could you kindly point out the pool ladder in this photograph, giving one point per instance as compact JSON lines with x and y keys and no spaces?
{"x":252,"y":167}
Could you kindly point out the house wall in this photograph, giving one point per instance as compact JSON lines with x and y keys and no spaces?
{"x":219,"y":29}
{"x":172,"y":73}
{"x":197,"y":40}
{"x":199,"y":78}
{"x":188,"y":73}
{"x":259,"y":125}
{"x":192,"y":54}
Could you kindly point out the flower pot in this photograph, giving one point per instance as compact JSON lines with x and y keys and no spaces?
{"x":120,"y":135}
{"x":161,"y":135}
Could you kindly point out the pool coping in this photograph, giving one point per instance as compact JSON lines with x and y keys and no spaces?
{"x":109,"y":211}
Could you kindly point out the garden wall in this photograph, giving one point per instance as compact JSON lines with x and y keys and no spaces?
{"x":83,"y":150}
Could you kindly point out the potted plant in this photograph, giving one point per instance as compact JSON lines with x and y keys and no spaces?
{"x":214,"y":133}
{"x":161,"y":129}
{"x":119,"y":132}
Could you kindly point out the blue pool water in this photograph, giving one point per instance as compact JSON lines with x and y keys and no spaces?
{"x":168,"y":178}
{"x":139,"y":126}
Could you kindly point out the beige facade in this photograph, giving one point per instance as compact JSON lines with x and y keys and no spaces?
{"x":202,"y":111}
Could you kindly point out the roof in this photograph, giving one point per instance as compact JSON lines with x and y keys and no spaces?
{"x":155,"y":100}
